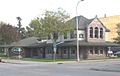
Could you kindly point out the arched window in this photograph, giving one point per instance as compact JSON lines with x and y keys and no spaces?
{"x":96,"y":32}
{"x":101,"y":32}
{"x":91,"y":32}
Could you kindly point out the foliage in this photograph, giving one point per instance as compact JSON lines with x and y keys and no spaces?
{"x":19,"y":23}
{"x":50,"y":23}
{"x":20,"y":29}
{"x":117,"y":40}
{"x":8,"y":34}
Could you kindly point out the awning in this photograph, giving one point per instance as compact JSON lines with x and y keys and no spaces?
{"x":85,"y":43}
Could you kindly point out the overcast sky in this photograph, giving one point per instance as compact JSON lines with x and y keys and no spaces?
{"x":30,"y":9}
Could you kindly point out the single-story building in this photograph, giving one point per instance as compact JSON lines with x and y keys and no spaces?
{"x":31,"y":47}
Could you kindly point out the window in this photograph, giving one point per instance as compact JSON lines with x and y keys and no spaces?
{"x":96,"y":32}
{"x":73,"y":52}
{"x":64,"y":52}
{"x":101,"y":32}
{"x":91,"y":32}
{"x":81,"y":36}
{"x":49,"y":51}
{"x":71,"y":35}
{"x":57,"y":52}
{"x":65,"y":36}
{"x":75,"y":35}
{"x":91,"y":51}
{"x":96,"y":51}
{"x":101,"y":51}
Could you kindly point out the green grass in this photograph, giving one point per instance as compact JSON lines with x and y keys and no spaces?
{"x":3,"y":56}
{"x":35,"y":59}
{"x":51,"y":60}
{"x":45,"y":60}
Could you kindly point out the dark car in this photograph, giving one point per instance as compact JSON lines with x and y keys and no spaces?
{"x":117,"y":53}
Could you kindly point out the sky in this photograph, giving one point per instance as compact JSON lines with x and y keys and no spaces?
{"x":30,"y":9}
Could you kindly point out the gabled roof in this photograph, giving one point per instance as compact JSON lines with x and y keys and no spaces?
{"x":83,"y":22}
{"x":31,"y":41}
{"x":27,"y":42}
{"x":107,"y":30}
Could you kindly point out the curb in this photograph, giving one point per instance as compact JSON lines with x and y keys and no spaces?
{"x":61,"y":62}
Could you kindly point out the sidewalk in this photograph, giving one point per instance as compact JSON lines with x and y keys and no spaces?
{"x":90,"y":61}
{"x":59,"y":62}
{"x":14,"y":61}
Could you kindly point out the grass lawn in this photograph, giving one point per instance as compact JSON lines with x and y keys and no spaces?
{"x":36,"y":59}
{"x":46,"y":60}
{"x":49,"y":60}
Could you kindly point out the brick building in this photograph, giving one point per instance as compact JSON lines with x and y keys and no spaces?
{"x":92,"y":42}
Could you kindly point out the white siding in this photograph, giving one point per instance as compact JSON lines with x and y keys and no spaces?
{"x":81,"y":32}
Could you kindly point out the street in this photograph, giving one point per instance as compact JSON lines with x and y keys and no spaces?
{"x":104,"y":68}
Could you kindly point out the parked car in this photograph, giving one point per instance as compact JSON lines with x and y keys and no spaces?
{"x":117,"y":53}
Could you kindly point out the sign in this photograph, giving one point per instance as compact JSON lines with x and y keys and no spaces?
{"x":16,"y":50}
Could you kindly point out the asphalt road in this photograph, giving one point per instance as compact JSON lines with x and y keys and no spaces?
{"x":107,"y":68}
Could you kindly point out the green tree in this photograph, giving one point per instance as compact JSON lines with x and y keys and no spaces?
{"x":117,"y":40}
{"x":20,"y":29}
{"x":50,"y":23}
{"x":19,"y":23}
{"x":8,"y":34}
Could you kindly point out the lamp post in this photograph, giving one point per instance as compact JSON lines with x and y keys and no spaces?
{"x":78,"y":57}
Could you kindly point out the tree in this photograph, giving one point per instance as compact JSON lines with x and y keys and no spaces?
{"x":20,"y":29}
{"x":8,"y":34}
{"x":50,"y":23}
{"x":117,"y":40}
{"x":19,"y":23}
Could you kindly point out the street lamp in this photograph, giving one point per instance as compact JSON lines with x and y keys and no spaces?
{"x":78,"y":59}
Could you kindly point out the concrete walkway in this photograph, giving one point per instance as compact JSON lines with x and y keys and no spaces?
{"x":60,"y":62}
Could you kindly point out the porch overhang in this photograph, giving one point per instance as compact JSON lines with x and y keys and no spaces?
{"x":84,"y":43}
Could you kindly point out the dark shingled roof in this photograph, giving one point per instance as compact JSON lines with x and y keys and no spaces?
{"x":82,"y":22}
{"x":84,"y":43}
{"x":27,"y":42}
{"x":31,"y":41}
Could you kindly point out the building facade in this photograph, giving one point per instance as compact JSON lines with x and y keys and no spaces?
{"x":92,"y":44}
